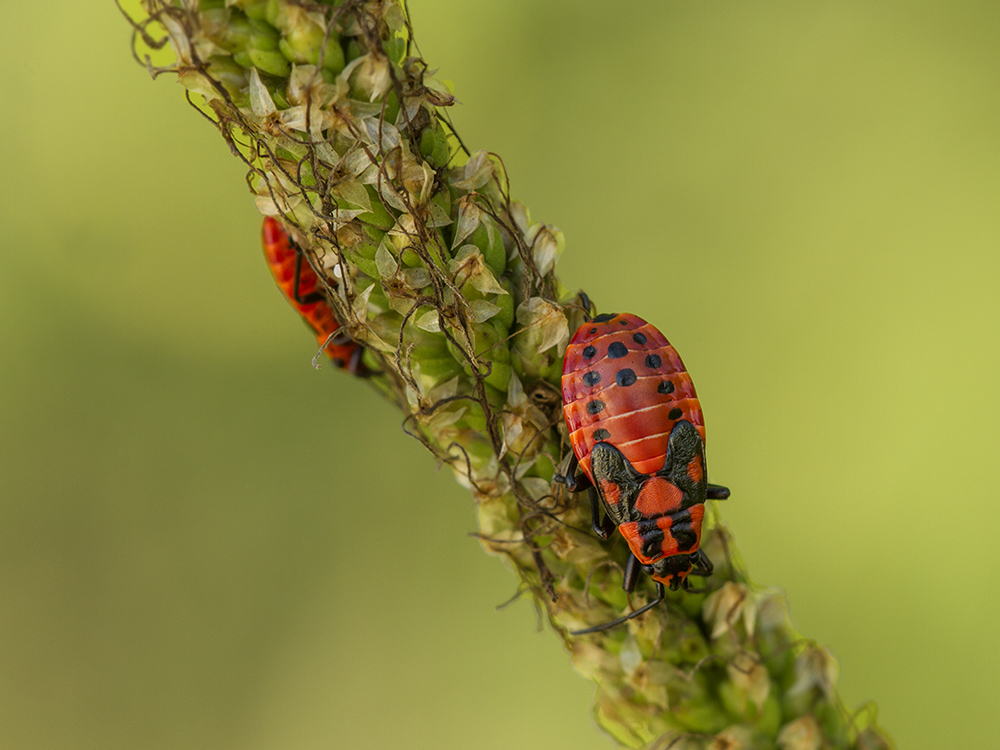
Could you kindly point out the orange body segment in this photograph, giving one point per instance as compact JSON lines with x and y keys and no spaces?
{"x":288,"y":267}
{"x":631,"y":390}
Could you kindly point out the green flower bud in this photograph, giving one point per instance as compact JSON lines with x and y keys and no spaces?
{"x":289,"y":52}
{"x":228,"y":72}
{"x":366,"y":249}
{"x":491,"y":350}
{"x":277,"y":90}
{"x":769,"y":720}
{"x":436,"y":248}
{"x":434,"y":146}
{"x":263,"y":36}
{"x":232,"y":29}
{"x":379,"y":216}
{"x":504,"y":319}
{"x":499,"y":376}
{"x":365,"y":265}
{"x":378,"y":298}
{"x":487,"y":239}
{"x":474,"y":418}
{"x":274,"y":13}
{"x":353,"y":50}
{"x":410,"y":258}
{"x":395,"y":48}
{"x":542,"y":468}
{"x":333,"y":55}
{"x":437,"y":370}
{"x":434,"y":364}
{"x":480,"y":452}
{"x":495,"y":397}
{"x":391,"y":106}
{"x":255,"y":10}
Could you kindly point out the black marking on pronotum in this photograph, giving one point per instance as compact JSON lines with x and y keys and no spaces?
{"x":595,"y":406}
{"x":675,"y":414}
{"x":591,"y":378}
{"x":653,"y":360}
{"x":601,"y":435}
{"x":681,"y":531}
{"x":617,"y":350}
{"x":593,"y":331}
{"x":639,"y":338}
{"x":589,"y":352}
{"x":605,"y":317}
{"x":625,"y":377}
{"x":652,"y":537}
{"x":665,"y":387}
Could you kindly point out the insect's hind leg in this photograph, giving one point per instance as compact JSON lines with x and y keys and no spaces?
{"x":702,"y":566}
{"x":717,"y":492}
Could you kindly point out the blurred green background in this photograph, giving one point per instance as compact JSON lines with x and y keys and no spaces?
{"x":193,"y":523}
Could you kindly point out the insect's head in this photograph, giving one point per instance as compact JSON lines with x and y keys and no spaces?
{"x":672,"y":571}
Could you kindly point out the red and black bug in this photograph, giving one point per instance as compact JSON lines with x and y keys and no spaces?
{"x":301,"y":287}
{"x":638,"y":436}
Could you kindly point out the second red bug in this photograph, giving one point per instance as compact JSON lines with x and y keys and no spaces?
{"x":301,"y":287}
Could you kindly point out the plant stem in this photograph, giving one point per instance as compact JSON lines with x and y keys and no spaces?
{"x":450,"y":286}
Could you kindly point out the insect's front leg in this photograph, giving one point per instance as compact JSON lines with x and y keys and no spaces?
{"x":577,"y":481}
{"x":602,"y":527}
{"x":574,"y":479}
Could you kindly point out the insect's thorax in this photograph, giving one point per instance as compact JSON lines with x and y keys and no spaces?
{"x":659,"y":515}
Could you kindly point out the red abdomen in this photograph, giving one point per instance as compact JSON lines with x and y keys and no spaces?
{"x":623,"y":383}
{"x":281,"y":256}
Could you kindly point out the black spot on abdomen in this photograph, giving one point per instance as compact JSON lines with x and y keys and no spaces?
{"x":617,"y":350}
{"x":625,"y":377}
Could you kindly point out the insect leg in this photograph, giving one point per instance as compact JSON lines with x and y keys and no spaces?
{"x":602,"y":527}
{"x":717,"y":492}
{"x":575,"y":480}
{"x":632,"y":570}
{"x":316,"y":295}
{"x":702,"y":566}
{"x":355,"y":366}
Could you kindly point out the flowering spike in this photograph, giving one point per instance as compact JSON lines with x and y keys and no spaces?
{"x":449,"y":286}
